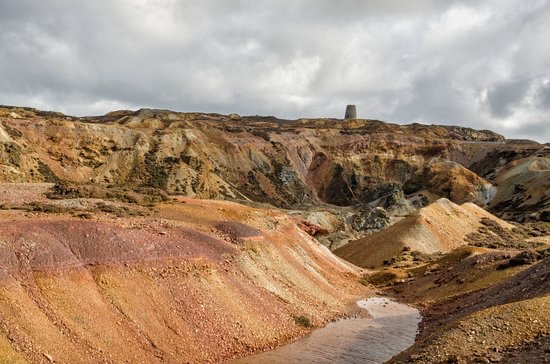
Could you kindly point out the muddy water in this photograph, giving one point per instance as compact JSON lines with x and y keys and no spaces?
{"x":391,"y":329}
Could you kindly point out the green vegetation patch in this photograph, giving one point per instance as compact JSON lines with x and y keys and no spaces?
{"x":302,"y":321}
{"x":47,"y":173}
{"x":139,"y":195}
{"x":12,"y":132}
{"x":381,"y":278}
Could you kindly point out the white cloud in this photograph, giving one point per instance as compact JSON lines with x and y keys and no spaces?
{"x":481,"y":64}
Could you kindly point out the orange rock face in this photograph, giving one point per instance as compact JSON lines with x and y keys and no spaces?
{"x":146,"y":264}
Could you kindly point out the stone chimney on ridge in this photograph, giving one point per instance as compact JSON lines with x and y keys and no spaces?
{"x":351,"y":113}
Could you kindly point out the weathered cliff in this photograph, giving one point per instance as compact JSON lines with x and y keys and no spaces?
{"x":263,"y":159}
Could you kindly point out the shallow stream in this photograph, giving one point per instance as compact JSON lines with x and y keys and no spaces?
{"x":392,"y":329}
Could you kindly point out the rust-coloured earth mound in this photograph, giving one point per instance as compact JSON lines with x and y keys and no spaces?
{"x":489,"y":315}
{"x":194,"y":281}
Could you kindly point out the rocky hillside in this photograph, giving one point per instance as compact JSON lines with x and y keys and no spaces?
{"x":280,"y":162}
{"x":481,"y":306}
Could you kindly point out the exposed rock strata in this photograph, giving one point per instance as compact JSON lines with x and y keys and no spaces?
{"x":285,"y":163}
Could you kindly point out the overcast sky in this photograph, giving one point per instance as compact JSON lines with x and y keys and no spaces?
{"x":483,"y":64}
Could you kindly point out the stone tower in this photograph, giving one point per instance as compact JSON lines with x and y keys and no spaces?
{"x":351,"y":113}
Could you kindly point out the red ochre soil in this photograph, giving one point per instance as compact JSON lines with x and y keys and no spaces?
{"x":197,"y":281}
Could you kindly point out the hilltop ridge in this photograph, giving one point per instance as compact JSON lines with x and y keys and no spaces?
{"x":268,"y":160}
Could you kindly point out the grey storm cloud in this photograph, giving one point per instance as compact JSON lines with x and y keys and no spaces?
{"x":483,"y":64}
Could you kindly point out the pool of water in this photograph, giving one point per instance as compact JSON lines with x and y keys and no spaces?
{"x":391,"y":329}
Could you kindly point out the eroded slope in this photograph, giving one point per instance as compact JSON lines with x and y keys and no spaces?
{"x":193,"y":281}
